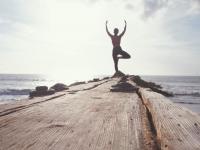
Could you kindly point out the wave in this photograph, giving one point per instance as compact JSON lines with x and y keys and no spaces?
{"x":195,"y":94}
{"x":22,"y":78}
{"x":14,"y":91}
{"x":187,"y":103}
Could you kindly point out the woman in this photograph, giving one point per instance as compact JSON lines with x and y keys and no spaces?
{"x":118,"y":53}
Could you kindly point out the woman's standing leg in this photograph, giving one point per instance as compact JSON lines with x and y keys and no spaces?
{"x":115,"y":59}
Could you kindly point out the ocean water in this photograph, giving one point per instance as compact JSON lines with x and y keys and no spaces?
{"x":14,"y":87}
{"x":17,"y":86}
{"x":186,"y":89}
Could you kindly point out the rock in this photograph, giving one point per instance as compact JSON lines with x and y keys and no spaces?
{"x":59,"y":87}
{"x":41,"y":91}
{"x":32,"y":94}
{"x":105,"y":78}
{"x":124,"y":78}
{"x":77,"y":83}
{"x":118,"y":74}
{"x":154,"y":87}
{"x":123,"y":87}
{"x":51,"y":91}
{"x":94,"y":80}
{"x":41,"y":88}
{"x":143,"y":83}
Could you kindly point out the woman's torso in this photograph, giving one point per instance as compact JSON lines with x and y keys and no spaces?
{"x":116,"y":40}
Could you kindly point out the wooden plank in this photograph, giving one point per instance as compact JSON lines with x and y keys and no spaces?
{"x":177,"y":127}
{"x":89,"y":119}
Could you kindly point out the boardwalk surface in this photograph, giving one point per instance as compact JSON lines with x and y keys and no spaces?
{"x":90,"y":118}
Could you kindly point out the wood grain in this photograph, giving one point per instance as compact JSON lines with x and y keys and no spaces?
{"x":88,"y":119}
{"x":177,"y":128}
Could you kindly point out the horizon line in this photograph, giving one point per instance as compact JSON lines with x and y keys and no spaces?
{"x":105,"y":74}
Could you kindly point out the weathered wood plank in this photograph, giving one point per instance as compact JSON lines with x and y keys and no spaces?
{"x":89,"y":119}
{"x":177,"y":127}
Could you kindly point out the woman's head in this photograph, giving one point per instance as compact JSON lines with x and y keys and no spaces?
{"x":116,"y":30}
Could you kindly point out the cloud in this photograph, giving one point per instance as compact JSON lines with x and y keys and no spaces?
{"x":195,"y":6}
{"x":129,"y":6}
{"x":42,"y":31}
{"x":149,"y":7}
{"x":153,"y":6}
{"x":13,"y":10}
{"x":182,"y":7}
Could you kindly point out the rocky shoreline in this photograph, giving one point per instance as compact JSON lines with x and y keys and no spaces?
{"x":44,"y":90}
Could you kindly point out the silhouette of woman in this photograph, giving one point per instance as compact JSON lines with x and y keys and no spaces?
{"x":117,"y":53}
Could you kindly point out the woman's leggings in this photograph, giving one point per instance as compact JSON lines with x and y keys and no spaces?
{"x":123,"y":55}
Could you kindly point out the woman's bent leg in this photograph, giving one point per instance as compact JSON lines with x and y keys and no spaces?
{"x":124,"y":55}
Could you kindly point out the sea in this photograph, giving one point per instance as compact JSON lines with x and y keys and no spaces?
{"x":186,"y":89}
{"x":14,"y":87}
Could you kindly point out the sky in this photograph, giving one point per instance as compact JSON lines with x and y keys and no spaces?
{"x":67,"y":38}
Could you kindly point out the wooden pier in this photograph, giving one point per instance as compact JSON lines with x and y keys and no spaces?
{"x":89,"y":116}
